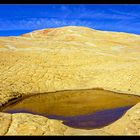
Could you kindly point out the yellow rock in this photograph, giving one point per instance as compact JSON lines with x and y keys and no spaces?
{"x":67,"y":58}
{"x":5,"y":122}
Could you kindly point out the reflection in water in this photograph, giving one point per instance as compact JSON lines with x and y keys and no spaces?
{"x":96,"y":120}
{"x":85,"y":109}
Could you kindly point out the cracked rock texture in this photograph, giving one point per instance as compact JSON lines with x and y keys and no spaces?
{"x":5,"y":121}
{"x":67,"y":58}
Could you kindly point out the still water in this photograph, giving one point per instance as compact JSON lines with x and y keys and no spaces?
{"x":85,"y":109}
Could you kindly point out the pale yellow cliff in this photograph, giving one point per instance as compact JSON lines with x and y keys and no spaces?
{"x":67,"y":58}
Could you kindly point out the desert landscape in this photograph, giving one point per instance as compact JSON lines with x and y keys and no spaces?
{"x":52,"y":79}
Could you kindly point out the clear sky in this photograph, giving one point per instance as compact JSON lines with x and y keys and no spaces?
{"x":16,"y":19}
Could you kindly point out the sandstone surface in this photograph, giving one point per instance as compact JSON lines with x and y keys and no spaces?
{"x":68,"y":58}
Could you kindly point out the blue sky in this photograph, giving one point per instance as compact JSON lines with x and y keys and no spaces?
{"x":16,"y":19}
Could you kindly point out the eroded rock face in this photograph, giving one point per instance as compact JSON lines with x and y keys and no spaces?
{"x":5,"y":122}
{"x":27,"y":124}
{"x":67,"y":58}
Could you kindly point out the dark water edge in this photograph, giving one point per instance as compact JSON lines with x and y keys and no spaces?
{"x":88,"y":121}
{"x":98,"y":119}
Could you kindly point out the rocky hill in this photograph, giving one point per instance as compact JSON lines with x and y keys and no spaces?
{"x":68,"y":58}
